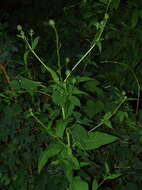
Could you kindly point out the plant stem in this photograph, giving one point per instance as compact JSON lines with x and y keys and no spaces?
{"x":94,"y":44}
{"x":113,"y":113}
{"x":53,"y":73}
{"x":58,"y":51}
{"x":63,"y":113}
{"x":135,"y":77}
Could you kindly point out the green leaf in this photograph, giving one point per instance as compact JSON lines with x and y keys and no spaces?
{"x":84,"y":79}
{"x":15,"y":84}
{"x":107,"y":123}
{"x":70,"y":110}
{"x":121,"y":115}
{"x":92,"y":108}
{"x":75,"y":162}
{"x":131,"y":186}
{"x":95,"y":185}
{"x":60,"y":127}
{"x":91,"y":85}
{"x":47,"y":129}
{"x":29,"y":85}
{"x":134,"y":19}
{"x":98,"y":139}
{"x":82,"y":164}
{"x":104,"y":1}
{"x":107,"y":116}
{"x":112,"y":176}
{"x":93,"y":140}
{"x":89,"y":109}
{"x":99,"y":45}
{"x":26,"y":54}
{"x":80,"y":135}
{"x":79,"y":184}
{"x":51,"y":151}
{"x":115,"y":4}
{"x":13,"y":111}
{"x":58,"y":98}
{"x":66,"y":154}
{"x":76,"y":91}
{"x":68,"y":170}
{"x":35,"y":43}
{"x":53,"y":74}
{"x":74,"y":100}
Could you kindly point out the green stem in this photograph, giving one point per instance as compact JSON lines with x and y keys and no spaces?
{"x":63,"y":113}
{"x":113,"y":113}
{"x":53,"y":73}
{"x":135,"y":77}
{"x":92,"y":47}
{"x":44,"y":127}
{"x":58,"y":51}
{"x":68,"y":142}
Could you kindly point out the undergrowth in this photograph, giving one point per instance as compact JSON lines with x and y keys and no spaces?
{"x":72,"y":126}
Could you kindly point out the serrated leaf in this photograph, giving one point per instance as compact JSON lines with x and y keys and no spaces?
{"x":51,"y":151}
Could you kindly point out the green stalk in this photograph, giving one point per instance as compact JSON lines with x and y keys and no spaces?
{"x":135,"y":77}
{"x":53,"y":73}
{"x":94,"y":44}
{"x":113,"y":113}
{"x":58,"y":51}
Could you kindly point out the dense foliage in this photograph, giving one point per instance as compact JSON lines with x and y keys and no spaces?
{"x":70,"y":98}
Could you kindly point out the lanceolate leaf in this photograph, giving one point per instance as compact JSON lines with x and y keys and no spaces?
{"x":98,"y":139}
{"x":113,"y":176}
{"x":90,"y":141}
{"x":29,"y":85}
{"x":83,"y":79}
{"x":51,"y":151}
{"x":35,"y":43}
